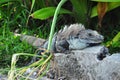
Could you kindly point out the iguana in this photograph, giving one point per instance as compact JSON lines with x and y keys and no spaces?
{"x":73,"y":37}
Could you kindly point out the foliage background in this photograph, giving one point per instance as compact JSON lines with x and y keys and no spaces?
{"x":19,"y":16}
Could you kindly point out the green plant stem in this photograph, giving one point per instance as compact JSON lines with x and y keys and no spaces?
{"x":4,"y":27}
{"x":54,"y":22}
{"x":33,"y":2}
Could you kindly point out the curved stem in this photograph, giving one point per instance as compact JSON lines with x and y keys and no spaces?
{"x":54,"y":22}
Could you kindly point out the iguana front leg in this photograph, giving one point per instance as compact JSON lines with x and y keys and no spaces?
{"x":62,"y":46}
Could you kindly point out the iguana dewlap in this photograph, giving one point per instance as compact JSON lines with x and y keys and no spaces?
{"x":72,"y":37}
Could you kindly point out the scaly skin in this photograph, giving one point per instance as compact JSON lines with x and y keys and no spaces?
{"x":74,"y":37}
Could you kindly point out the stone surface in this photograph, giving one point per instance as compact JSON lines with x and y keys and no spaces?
{"x":108,"y":69}
{"x":86,"y":65}
{"x":77,"y":64}
{"x":3,"y":77}
{"x":93,"y":63}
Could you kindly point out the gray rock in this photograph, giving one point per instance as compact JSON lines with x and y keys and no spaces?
{"x":109,"y":68}
{"x":92,"y":63}
{"x":3,"y":77}
{"x":86,"y":65}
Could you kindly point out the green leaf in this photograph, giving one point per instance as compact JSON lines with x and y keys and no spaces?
{"x":115,"y":41}
{"x":116,"y":38}
{"x":106,"y":0}
{"x":111,"y":6}
{"x":45,"y":13}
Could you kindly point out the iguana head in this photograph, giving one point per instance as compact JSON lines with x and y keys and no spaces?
{"x":90,"y":36}
{"x":85,"y":38}
{"x":78,"y":31}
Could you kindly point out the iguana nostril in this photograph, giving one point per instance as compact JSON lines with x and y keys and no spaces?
{"x":89,"y":34}
{"x":101,"y":37}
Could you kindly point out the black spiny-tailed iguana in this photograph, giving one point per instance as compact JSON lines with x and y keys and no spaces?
{"x":72,"y":37}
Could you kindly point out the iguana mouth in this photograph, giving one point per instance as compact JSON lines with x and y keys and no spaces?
{"x":91,"y":41}
{"x":93,"y":44}
{"x":94,"y":41}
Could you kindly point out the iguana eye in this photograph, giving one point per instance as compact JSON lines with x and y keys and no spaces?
{"x":89,"y":34}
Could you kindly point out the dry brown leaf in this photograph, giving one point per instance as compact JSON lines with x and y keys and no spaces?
{"x":101,"y":9}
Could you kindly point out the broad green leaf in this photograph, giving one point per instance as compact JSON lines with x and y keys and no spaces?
{"x":111,"y":6}
{"x":45,"y":13}
{"x":101,"y":9}
{"x":106,"y":0}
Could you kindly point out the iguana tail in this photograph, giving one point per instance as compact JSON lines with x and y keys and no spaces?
{"x":34,"y":41}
